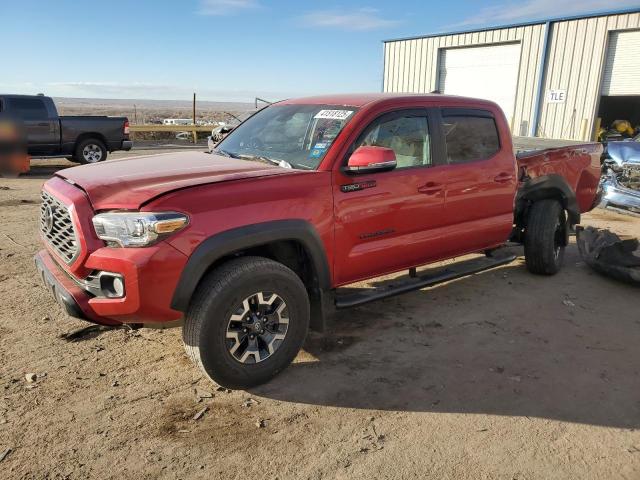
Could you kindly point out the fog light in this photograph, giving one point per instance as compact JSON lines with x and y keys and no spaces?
{"x":118,"y":286}
{"x":112,"y":285}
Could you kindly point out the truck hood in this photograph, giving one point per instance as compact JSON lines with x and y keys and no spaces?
{"x":131,"y":182}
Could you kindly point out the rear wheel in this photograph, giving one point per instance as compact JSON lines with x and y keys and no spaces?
{"x":545,"y":237}
{"x":247,"y":322}
{"x":90,"y":150}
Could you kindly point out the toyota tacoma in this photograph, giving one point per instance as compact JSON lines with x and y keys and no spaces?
{"x":246,"y":248}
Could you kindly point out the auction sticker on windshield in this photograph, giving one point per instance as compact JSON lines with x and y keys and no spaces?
{"x":334,"y":114}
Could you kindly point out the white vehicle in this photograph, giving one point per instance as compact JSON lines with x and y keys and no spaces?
{"x":184,"y":136}
{"x":177,"y":121}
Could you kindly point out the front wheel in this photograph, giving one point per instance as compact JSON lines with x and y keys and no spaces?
{"x":545,"y":237}
{"x":247,"y":322}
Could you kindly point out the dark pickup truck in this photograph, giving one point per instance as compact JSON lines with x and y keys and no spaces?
{"x":83,"y":139}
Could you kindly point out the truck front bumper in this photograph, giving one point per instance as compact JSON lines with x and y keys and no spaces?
{"x":149,"y":274}
{"x":72,"y":299}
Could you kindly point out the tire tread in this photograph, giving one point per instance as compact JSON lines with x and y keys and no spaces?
{"x":540,"y":237}
{"x":214,"y":283}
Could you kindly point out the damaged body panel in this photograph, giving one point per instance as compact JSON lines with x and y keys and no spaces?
{"x":569,"y":175}
{"x":609,"y":254}
{"x":621,"y":174}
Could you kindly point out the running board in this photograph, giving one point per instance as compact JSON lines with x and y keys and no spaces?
{"x":427,"y":279}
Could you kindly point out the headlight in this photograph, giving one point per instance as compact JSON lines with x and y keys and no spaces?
{"x":137,"y":229}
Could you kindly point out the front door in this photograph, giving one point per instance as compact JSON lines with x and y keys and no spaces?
{"x":389,"y":221}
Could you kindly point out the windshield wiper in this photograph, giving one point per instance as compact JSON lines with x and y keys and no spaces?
{"x":224,"y":153}
{"x":260,"y":158}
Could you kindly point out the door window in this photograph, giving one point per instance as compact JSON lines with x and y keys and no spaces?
{"x":469,"y":138}
{"x":29,"y":108}
{"x":408,"y":136}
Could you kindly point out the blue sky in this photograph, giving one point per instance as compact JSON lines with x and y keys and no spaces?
{"x":229,"y":50}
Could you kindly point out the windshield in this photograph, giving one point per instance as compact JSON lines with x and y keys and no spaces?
{"x":292,"y":136}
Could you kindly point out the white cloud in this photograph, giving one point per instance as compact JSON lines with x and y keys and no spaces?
{"x":511,"y":11}
{"x":361,"y":19}
{"x":225,"y":7}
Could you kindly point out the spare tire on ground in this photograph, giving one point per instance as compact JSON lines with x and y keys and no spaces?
{"x":609,"y":254}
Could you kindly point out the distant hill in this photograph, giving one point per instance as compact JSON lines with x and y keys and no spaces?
{"x":151,"y":104}
{"x":154,"y":111}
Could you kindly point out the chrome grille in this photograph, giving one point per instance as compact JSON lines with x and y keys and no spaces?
{"x":57,"y":227}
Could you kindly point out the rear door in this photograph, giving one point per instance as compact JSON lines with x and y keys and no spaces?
{"x":388,"y":221}
{"x":481,"y":179}
{"x":40,"y":124}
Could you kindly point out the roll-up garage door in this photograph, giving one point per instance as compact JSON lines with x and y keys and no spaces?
{"x":489,"y":72}
{"x":622,"y":66}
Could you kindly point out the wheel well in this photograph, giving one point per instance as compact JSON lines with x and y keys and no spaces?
{"x":291,"y":253}
{"x":292,"y":242}
{"x":546,"y":187}
{"x":90,"y":135}
{"x":524,"y":202}
{"x":294,"y":255}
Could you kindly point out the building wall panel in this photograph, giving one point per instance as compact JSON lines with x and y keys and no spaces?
{"x":575,"y":62}
{"x":417,"y":72}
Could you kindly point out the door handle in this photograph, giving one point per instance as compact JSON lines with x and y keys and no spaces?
{"x":430,"y":188}
{"x":43,"y":124}
{"x":503,"y":178}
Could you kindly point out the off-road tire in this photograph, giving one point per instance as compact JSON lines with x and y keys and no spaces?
{"x":79,"y":153}
{"x":545,"y":237}
{"x":207,"y":319}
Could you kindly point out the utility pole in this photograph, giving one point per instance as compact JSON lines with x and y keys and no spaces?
{"x":195,"y":133}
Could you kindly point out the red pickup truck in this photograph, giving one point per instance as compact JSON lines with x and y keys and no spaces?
{"x":246,"y":247}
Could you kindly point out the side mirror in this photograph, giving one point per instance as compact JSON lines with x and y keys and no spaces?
{"x":371,"y":160}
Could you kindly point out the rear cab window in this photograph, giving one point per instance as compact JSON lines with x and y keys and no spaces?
{"x":29,"y":108}
{"x":470,"y":135}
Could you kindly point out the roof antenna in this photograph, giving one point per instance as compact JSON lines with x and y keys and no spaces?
{"x":436,"y":91}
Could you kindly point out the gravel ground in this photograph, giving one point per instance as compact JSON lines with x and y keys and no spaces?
{"x":500,"y":375}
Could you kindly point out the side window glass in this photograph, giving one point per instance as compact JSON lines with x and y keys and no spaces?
{"x":29,"y":108}
{"x":470,"y":138}
{"x":407,"y":136}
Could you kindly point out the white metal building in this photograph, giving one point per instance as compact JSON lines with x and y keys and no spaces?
{"x":552,"y":78}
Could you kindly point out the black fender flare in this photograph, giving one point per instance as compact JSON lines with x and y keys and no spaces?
{"x":237,"y":239}
{"x":548,"y":186}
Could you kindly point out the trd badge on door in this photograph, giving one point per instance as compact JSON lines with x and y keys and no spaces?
{"x":354,"y":187}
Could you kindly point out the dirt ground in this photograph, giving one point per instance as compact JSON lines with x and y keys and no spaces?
{"x":501,"y":375}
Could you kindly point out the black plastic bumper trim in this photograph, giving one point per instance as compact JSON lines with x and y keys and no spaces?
{"x":62,"y":296}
